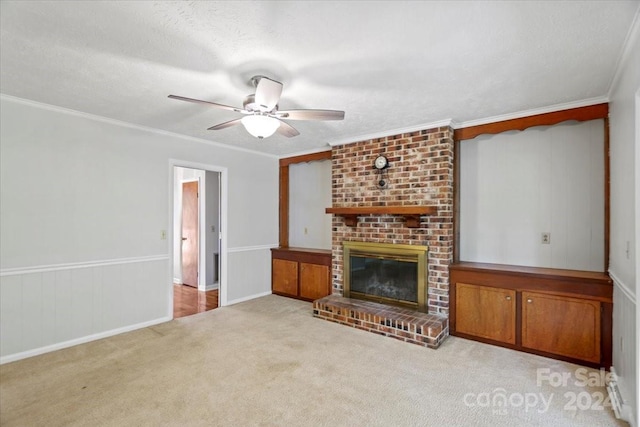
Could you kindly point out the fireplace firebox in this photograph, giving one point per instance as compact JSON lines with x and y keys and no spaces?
{"x":386,"y":273}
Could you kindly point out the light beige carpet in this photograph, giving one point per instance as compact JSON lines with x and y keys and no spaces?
{"x":268,"y":362}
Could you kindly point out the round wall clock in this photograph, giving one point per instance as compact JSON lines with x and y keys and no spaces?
{"x":381,"y":162}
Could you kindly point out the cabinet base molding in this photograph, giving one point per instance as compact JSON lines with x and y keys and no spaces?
{"x":561,"y":314}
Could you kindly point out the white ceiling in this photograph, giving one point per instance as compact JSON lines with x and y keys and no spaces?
{"x":388,"y":64}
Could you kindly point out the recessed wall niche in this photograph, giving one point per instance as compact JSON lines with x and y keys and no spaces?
{"x":309,"y":195}
{"x":517,"y":185}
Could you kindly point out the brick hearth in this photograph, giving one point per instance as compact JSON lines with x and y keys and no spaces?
{"x":401,"y":323}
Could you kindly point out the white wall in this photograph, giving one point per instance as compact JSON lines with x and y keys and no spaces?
{"x":83,"y":201}
{"x":624,"y":263}
{"x":309,"y":196}
{"x":516,"y":185}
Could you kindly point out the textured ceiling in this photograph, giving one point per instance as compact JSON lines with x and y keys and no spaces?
{"x":388,"y":64}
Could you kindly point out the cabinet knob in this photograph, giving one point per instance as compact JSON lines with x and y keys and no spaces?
{"x":529,"y":300}
{"x":508,"y":298}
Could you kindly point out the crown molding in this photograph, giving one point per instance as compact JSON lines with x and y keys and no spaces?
{"x":128,"y":125}
{"x":633,"y":34}
{"x":382,"y":134}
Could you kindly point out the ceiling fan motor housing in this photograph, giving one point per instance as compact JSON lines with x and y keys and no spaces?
{"x":250,"y":104}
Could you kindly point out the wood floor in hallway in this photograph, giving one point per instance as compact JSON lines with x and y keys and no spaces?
{"x":188,"y":300}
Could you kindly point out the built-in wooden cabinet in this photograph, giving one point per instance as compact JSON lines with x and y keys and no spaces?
{"x":284,"y":277}
{"x":563,"y":325}
{"x":563,"y":314}
{"x":301,"y":273}
{"x":315,"y":280}
{"x":488,"y":312}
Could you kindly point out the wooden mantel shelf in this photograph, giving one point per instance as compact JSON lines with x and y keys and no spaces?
{"x":411,"y":214}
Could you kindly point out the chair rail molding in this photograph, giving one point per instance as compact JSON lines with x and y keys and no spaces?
{"x":251,"y":248}
{"x":631,"y":295}
{"x":75,"y":265}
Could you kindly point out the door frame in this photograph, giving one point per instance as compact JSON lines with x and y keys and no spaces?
{"x":224,"y":197}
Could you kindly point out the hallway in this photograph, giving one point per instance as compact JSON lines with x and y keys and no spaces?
{"x":188,"y":300}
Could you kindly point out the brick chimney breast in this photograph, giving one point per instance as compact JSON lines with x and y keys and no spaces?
{"x":420,"y":173}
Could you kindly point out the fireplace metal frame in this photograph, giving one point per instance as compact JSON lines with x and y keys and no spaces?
{"x":412,"y":253}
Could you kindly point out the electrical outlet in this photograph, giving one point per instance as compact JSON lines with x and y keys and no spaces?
{"x":546,"y":238}
{"x":163,"y":234}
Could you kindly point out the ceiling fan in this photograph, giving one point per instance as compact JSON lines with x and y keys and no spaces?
{"x":261,"y":115}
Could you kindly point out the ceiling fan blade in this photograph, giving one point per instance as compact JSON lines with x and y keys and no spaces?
{"x":226,"y":124}
{"x":311,"y":114}
{"x":268,"y":93}
{"x":199,"y":101}
{"x":287,"y":130}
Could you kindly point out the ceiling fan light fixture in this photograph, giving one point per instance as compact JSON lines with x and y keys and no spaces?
{"x":261,"y":116}
{"x":260,"y":126}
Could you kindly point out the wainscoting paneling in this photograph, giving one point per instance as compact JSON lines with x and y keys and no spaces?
{"x":49,"y":307}
{"x":10,"y":314}
{"x":624,"y":344}
{"x":249,"y":271}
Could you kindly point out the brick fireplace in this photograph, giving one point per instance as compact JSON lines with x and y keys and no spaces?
{"x":420,"y":174}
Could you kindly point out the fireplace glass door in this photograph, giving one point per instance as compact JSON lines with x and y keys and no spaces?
{"x":388,"y":279}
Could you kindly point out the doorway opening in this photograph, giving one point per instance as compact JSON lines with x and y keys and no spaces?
{"x":196,"y":239}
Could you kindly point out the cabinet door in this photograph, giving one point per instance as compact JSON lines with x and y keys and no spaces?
{"x":486,"y":312}
{"x":561,"y":325}
{"x":314,"y":281}
{"x":284,"y":277}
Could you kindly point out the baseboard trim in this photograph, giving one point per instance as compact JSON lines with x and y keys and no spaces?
{"x":621,"y":410}
{"x":59,"y":346}
{"x":212,"y":287}
{"x":250,"y":297}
